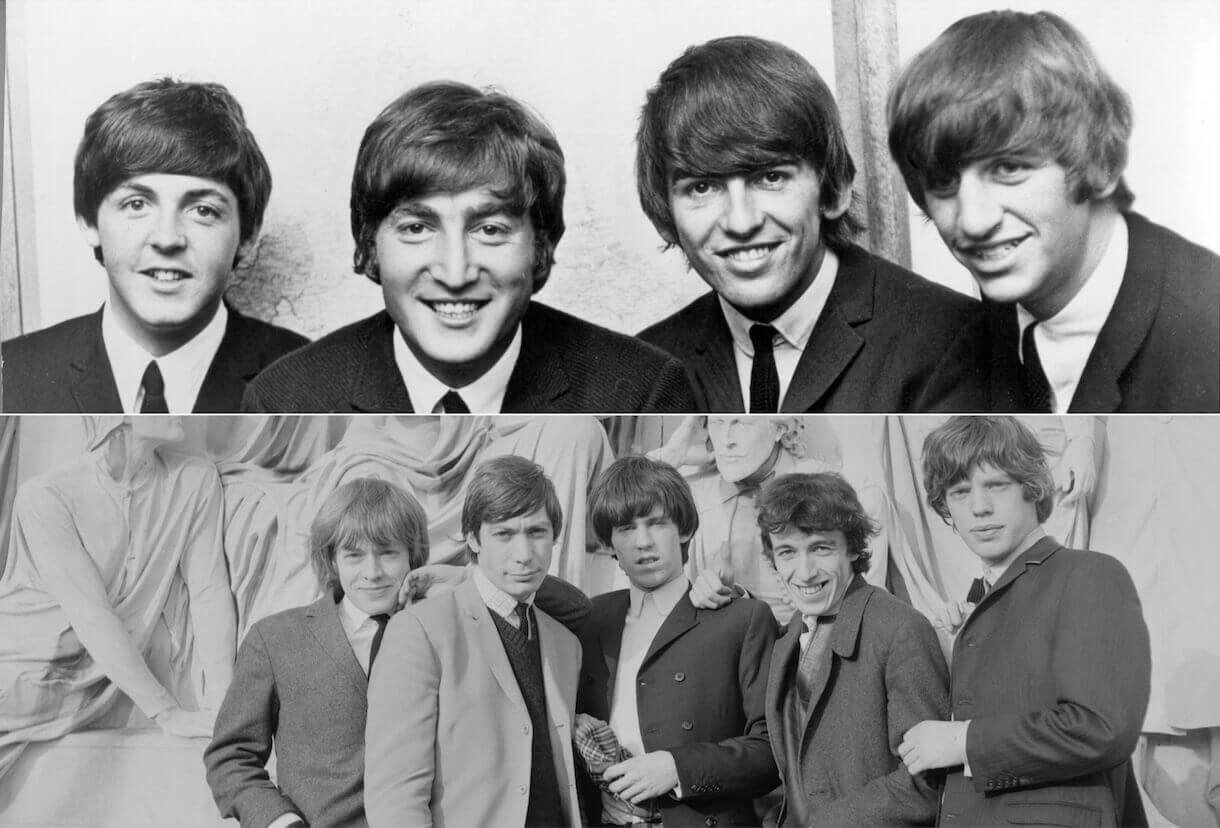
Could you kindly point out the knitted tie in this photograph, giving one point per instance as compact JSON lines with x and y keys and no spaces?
{"x":1037,"y":389}
{"x":978,"y":591}
{"x":453,"y":403}
{"x":154,"y":390}
{"x":764,"y":378}
{"x":523,"y":613}
{"x":381,"y":619}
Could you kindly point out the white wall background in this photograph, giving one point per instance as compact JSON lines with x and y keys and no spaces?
{"x":311,"y":74}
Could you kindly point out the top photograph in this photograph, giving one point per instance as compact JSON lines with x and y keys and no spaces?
{"x":580,"y":206}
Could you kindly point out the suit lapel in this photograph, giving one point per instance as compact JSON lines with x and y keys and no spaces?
{"x":843,"y":641}
{"x":712,"y":364}
{"x":539,"y":377}
{"x":1034,"y":556}
{"x":560,"y":704}
{"x":681,"y":619}
{"x":1126,"y":327}
{"x":482,"y":630}
{"x":787,"y":648}
{"x":91,"y":378}
{"x":835,"y":341}
{"x":1004,"y":366}
{"x":236,"y":362}
{"x":323,"y":620}
{"x":378,"y":385}
{"x":610,"y":638}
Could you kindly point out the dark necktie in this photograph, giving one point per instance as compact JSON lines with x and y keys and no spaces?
{"x":1037,"y":389}
{"x":978,"y":590}
{"x":381,"y":619}
{"x":154,"y":390}
{"x":764,"y":378}
{"x":453,"y":403}
{"x":523,"y":613}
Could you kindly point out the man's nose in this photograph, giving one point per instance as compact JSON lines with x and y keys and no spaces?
{"x":978,"y":210}
{"x":456,"y":269}
{"x":167,"y":233}
{"x":742,"y":216}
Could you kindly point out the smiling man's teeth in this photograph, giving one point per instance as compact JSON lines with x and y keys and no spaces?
{"x":991,"y":252}
{"x":455,"y":310}
{"x":747,"y":254}
{"x":166,"y":275}
{"x":811,"y":590}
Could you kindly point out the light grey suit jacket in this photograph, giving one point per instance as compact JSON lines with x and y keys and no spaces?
{"x":297,"y":685}
{"x":448,"y":741}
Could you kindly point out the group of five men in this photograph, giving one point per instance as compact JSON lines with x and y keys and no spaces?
{"x":1009,"y":134}
{"x":511,"y":699}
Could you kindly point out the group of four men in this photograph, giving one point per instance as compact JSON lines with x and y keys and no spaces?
{"x":510,"y":699}
{"x":1009,"y":134}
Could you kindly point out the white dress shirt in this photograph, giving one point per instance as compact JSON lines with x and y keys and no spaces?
{"x":1065,"y":340}
{"x":645,"y":615}
{"x":794,"y":327}
{"x":183,"y":369}
{"x":496,"y":599}
{"x":483,"y":396}
{"x":360,"y":629}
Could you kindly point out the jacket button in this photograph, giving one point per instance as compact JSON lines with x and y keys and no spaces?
{"x":679,"y":676}
{"x":525,"y":728}
{"x":688,"y":725}
{"x":711,"y":821}
{"x":522,"y":789}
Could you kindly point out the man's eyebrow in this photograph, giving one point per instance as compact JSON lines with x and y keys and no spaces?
{"x":486,"y":209}
{"x":208,"y":192}
{"x":413,"y":209}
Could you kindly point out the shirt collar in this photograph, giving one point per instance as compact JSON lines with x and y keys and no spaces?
{"x":183,"y":369}
{"x":483,"y":396}
{"x":795,"y":325}
{"x":351,"y":616}
{"x":1086,"y":312}
{"x":664,"y":597}
{"x":496,"y":599}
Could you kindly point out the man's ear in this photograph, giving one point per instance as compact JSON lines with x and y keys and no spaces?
{"x":472,"y":542}
{"x":841,"y":205}
{"x":89,"y":231}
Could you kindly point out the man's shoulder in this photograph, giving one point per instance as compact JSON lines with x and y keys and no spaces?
{"x":904,"y":291}
{"x":34,"y":367}
{"x":317,"y":375}
{"x":606,"y":371}
{"x":270,"y":340}
{"x":290,"y":623}
{"x":679,"y":332}
{"x":571,"y":332}
{"x":883,"y":610}
{"x":1191,"y":272}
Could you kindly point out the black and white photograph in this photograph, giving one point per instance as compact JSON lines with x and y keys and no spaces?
{"x":571,"y":412}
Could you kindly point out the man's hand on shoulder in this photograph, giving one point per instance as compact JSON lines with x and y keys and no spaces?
{"x":430,"y":579}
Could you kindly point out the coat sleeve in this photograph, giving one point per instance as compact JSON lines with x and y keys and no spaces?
{"x":916,"y":689}
{"x":741,"y":766}
{"x":1100,"y":664}
{"x":236,"y":759}
{"x":563,"y":602}
{"x":400,"y":736}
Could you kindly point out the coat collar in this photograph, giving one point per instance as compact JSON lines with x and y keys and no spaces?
{"x":322,"y":620}
{"x":92,"y":381}
{"x":236,"y":362}
{"x":540,"y":377}
{"x":479,"y":627}
{"x":1036,"y":555}
{"x":378,"y":385}
{"x":835,"y":340}
{"x":1129,"y":323}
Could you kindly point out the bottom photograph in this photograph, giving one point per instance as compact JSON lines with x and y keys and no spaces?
{"x":576,"y":620}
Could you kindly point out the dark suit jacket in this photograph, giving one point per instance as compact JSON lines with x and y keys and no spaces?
{"x":1052,"y":670}
{"x":882,"y":332}
{"x":64,"y":368}
{"x":700,"y":696}
{"x":297,"y":682}
{"x":887,"y":674}
{"x":1158,"y":351}
{"x":566,"y":365}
